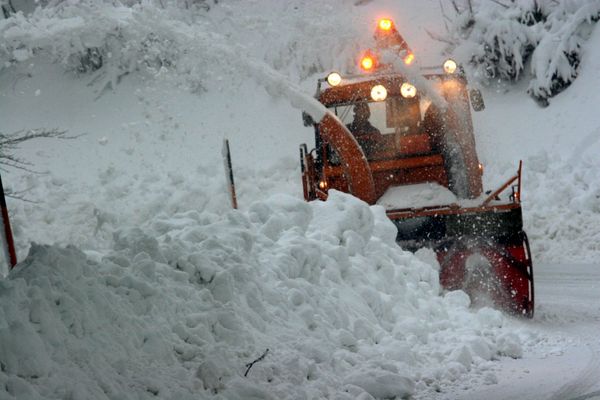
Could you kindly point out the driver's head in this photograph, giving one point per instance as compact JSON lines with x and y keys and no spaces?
{"x":362,"y":111}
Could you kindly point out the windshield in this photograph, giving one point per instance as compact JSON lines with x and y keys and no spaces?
{"x":379,"y":127}
{"x":391,"y":116}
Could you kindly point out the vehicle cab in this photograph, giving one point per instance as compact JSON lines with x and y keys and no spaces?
{"x":417,"y":131}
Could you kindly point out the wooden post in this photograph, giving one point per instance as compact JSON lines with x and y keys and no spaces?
{"x":9,"y":243}
{"x":229,"y":172}
{"x":519,"y":173}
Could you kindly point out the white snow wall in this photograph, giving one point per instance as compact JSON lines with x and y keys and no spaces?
{"x":181,"y":304}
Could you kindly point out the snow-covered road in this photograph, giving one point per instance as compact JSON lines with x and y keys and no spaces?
{"x":565,"y":367}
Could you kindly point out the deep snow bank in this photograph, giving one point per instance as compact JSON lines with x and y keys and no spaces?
{"x":563,"y":208}
{"x":182,"y":303}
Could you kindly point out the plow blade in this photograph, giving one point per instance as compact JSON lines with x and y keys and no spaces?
{"x":481,"y":250}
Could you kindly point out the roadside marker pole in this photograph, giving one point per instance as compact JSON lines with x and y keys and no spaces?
{"x":9,"y":243}
{"x":229,"y":172}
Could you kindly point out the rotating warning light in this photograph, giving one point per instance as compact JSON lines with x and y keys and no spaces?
{"x":410,"y":57}
{"x":334,"y":79}
{"x":408,"y":91}
{"x":385,"y":24}
{"x":378,"y":93}
{"x":367,"y":63}
{"x":450,"y":66}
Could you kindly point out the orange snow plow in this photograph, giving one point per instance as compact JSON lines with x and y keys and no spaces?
{"x":404,"y":140}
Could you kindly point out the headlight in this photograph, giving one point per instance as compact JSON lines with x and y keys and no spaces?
{"x":379,"y":93}
{"x":450,"y":66}
{"x":410,"y":57}
{"x":322,"y":185}
{"x":334,"y":79}
{"x":408,"y":91}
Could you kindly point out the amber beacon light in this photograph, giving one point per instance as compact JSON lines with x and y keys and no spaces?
{"x":367,"y":62}
{"x":385,"y":24}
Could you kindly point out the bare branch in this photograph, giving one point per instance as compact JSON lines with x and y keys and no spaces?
{"x":439,"y":37}
{"x":453,"y":2}
{"x":10,"y":143}
{"x":445,"y":17}
{"x":500,"y":4}
{"x":22,"y":136}
{"x":17,"y":165}
{"x":249,"y":365}
{"x":12,"y":158}
{"x":18,"y":196}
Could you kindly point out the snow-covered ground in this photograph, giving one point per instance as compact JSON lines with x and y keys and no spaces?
{"x":562,"y":361}
{"x":145,"y":284}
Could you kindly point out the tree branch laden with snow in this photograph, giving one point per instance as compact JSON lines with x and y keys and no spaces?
{"x":500,"y":38}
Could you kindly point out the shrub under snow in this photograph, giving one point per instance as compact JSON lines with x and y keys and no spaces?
{"x":499,"y":39}
{"x":114,"y":39}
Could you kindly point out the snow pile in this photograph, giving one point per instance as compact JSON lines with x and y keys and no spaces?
{"x":184,"y":302}
{"x":563,"y":208}
{"x":561,"y":204}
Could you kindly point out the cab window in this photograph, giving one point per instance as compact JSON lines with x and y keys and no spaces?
{"x":391,"y":119}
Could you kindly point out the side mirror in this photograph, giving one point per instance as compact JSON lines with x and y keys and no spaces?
{"x":307,"y":120}
{"x":476,"y":100}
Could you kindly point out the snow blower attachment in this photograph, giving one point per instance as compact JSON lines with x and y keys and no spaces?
{"x":407,"y":144}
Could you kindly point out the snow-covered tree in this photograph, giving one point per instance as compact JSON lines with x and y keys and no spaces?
{"x":555,"y":61}
{"x":7,"y":8}
{"x":111,"y":39}
{"x":501,"y":38}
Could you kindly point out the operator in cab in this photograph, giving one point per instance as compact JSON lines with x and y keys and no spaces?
{"x":367,"y":136}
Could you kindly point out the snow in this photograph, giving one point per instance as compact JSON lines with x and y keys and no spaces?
{"x":561,"y":360}
{"x":138,"y":281}
{"x":416,"y":196}
{"x":323,"y":286}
